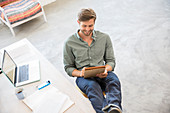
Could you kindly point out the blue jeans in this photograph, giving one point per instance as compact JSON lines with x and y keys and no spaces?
{"x":94,"y":87}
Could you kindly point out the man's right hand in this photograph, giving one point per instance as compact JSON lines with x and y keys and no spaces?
{"x":82,"y":72}
{"x":77,"y":73}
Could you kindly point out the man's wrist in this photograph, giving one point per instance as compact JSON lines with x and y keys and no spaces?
{"x":76,"y":73}
{"x":108,"y":67}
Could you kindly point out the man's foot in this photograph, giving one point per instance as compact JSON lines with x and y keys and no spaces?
{"x":114,"y":110}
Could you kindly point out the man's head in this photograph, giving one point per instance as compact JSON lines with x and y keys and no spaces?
{"x":86,"y":20}
{"x":86,"y":14}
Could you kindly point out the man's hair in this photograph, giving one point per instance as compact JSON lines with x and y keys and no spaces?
{"x":86,"y":14}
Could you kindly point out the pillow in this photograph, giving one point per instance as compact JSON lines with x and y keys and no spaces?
{"x":5,"y":2}
{"x":20,"y":10}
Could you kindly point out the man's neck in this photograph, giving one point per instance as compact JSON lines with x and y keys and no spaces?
{"x":85,"y":38}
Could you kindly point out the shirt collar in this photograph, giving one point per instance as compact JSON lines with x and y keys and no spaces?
{"x":93,"y":35}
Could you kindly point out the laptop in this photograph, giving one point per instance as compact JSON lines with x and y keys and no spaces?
{"x":21,"y":74}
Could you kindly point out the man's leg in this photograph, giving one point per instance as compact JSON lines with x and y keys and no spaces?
{"x":93,"y":90}
{"x":113,"y":90}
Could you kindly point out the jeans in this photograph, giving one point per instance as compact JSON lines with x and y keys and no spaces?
{"x":94,"y":87}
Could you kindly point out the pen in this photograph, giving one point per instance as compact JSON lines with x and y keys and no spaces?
{"x":44,"y":85}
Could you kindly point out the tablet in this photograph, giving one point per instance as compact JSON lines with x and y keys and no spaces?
{"x":93,"y":71}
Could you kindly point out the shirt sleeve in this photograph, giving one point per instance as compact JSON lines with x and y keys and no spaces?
{"x":109,"y":54}
{"x":68,"y":59}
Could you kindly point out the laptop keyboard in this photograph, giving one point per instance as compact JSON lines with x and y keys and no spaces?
{"x":23,"y":73}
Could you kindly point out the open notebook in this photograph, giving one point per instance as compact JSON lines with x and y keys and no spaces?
{"x":48,"y":100}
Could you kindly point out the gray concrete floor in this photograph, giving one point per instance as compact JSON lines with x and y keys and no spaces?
{"x":140,"y":32}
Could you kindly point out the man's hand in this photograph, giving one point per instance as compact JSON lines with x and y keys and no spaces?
{"x":103,"y":75}
{"x":82,"y":72}
{"x":77,"y":73}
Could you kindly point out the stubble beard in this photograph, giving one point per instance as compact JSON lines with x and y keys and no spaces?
{"x":85,"y":32}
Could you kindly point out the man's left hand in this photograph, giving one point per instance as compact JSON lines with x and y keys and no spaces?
{"x":102,"y":75}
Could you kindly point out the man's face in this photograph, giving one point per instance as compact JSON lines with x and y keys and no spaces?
{"x":86,"y":27}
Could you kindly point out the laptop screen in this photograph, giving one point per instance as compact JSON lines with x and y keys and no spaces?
{"x":8,"y":67}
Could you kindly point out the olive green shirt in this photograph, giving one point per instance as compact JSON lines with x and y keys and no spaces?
{"x":78,"y":54}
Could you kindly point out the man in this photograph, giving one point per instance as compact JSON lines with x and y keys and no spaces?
{"x":88,"y":48}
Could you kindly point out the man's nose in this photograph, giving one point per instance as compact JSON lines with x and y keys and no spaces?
{"x":87,"y":28}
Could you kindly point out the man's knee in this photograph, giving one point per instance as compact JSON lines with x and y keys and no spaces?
{"x":112,"y":77}
{"x":92,"y":85}
{"x":87,"y":84}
